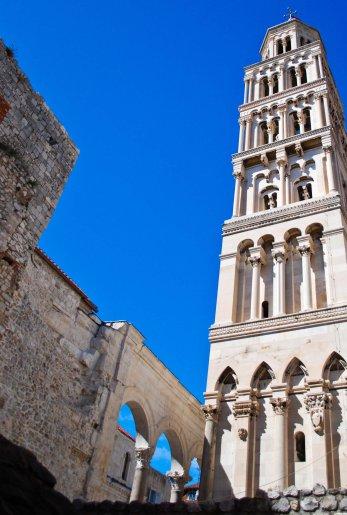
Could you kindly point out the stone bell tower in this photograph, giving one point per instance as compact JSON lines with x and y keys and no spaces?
{"x":276,"y":399}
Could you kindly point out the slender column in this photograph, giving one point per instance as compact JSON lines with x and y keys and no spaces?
{"x":248,"y":132}
{"x":238,"y":174}
{"x":287,"y":179}
{"x":320,"y":65}
{"x":305,"y":252}
{"x":326,"y":108}
{"x":319,"y":113}
{"x":301,"y":119}
{"x":329,"y":168}
{"x":271,"y":86}
{"x":281,"y":79}
{"x":138,"y":491}
{"x":327,"y":271}
{"x":245,"y":97}
{"x":270,"y":130}
{"x":250,"y":90}
{"x":177,"y":482}
{"x":282,"y":111}
{"x":207,"y":465}
{"x":256,"y":134}
{"x":255,"y":261}
{"x":279,"y":463}
{"x":257,"y":90}
{"x":317,"y":66}
{"x":279,"y":256}
{"x":245,"y":412}
{"x":281,"y":163}
{"x":241,"y":134}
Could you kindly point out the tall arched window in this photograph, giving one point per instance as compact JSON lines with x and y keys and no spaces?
{"x":300,"y":447}
{"x":264,"y":133}
{"x":227,"y":381}
{"x":288,"y":44}
{"x":275,"y":83}
{"x":279,"y":47}
{"x":126,"y":464}
{"x":265,"y":309}
{"x":265,"y":87}
{"x":275,"y":122}
{"x":307,"y":115}
{"x":294,"y":123}
{"x":293,"y":81}
{"x":303,"y":74}
{"x":302,"y":41}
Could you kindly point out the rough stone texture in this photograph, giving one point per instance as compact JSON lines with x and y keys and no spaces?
{"x":63,"y":372}
{"x":281,"y":506}
{"x":329,"y":503}
{"x":343,"y":504}
{"x":309,"y":504}
{"x":291,"y":491}
{"x":318,"y":489}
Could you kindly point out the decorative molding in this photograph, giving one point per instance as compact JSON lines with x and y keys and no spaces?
{"x":245,"y":408}
{"x":280,"y":143}
{"x":243,"y":433}
{"x":234,"y":331}
{"x":210,"y":412}
{"x":282,"y":214}
{"x":281,"y":94}
{"x":316,"y":404}
{"x":279,"y":404}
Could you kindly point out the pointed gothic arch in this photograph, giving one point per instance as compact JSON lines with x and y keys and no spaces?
{"x":334,"y":367}
{"x":295,"y":373}
{"x":262,"y":377}
{"x":227,"y":381}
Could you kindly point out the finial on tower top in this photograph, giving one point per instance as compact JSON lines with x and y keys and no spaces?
{"x":290,"y":14}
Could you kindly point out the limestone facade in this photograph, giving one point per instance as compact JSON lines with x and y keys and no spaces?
{"x":64,"y":373}
{"x":277,"y":382}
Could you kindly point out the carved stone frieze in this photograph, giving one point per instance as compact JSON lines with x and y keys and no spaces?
{"x":245,"y":408}
{"x":289,"y":212}
{"x":315,"y":317}
{"x":279,"y":405}
{"x":316,"y":404}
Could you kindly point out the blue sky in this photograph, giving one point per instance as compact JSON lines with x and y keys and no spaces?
{"x":149,"y":90}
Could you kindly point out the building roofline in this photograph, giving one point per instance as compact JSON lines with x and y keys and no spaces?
{"x":293,"y":20}
{"x":67,"y":279}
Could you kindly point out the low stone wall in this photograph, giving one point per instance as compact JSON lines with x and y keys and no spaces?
{"x":27,"y":488}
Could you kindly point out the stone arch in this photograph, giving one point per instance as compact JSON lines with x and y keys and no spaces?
{"x":294,"y":372}
{"x":227,"y":381}
{"x":262,"y":377}
{"x":334,"y":363}
{"x":143,"y":416}
{"x":177,"y":441}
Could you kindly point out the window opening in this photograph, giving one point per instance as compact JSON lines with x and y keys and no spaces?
{"x":265,"y":309}
{"x":300,"y":450}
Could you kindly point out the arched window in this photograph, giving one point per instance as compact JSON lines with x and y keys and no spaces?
{"x":288,"y":44}
{"x":227,"y":381}
{"x":266,"y":202}
{"x":303,"y":73}
{"x":307,"y":118}
{"x":304,"y":190}
{"x":302,"y":41}
{"x":264,"y":133}
{"x":293,"y":81}
{"x":275,"y":128}
{"x":265,"y":87}
{"x":265,"y":309}
{"x":279,"y":47}
{"x":262,"y":377}
{"x":300,"y":447}
{"x":126,"y":464}
{"x":294,"y":122}
{"x":275,"y":83}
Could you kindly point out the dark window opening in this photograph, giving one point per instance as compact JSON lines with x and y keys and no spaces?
{"x":303,"y":74}
{"x":293,"y":77}
{"x":300,"y":450}
{"x":274,"y":200}
{"x":266,"y":202}
{"x":302,"y":41}
{"x":266,"y":90}
{"x":279,"y":47}
{"x":307,"y":124}
{"x":288,"y":44}
{"x":265,"y":309}
{"x":295,"y":124}
{"x":275,"y":83}
{"x":126,"y":466}
{"x":301,"y":193}
{"x":276,"y":127}
{"x":265,"y":134}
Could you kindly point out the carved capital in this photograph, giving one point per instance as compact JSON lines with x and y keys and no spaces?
{"x":316,"y":404}
{"x":142,"y":457}
{"x":177,"y":479}
{"x":245,"y":409}
{"x":210,"y":412}
{"x":255,"y":261}
{"x":279,"y":405}
{"x":279,"y":255}
{"x":304,"y":249}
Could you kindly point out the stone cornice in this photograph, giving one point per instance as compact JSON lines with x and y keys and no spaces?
{"x":236,"y":331}
{"x":281,"y":214}
{"x":291,"y":53}
{"x":281,"y":143}
{"x":282,"y":94}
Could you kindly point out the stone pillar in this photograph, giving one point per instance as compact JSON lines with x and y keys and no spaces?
{"x":238,"y":173}
{"x":279,"y":294}
{"x":207,"y":465}
{"x":245,"y":97}
{"x":281,"y":163}
{"x":256,"y":134}
{"x":248,"y":132}
{"x":279,"y":464}
{"x":271,"y":86}
{"x":326,"y":109}
{"x":177,"y":482}
{"x":270,"y":130}
{"x":301,"y":119}
{"x":329,"y":168}
{"x":317,"y":66}
{"x":316,"y":404}
{"x":282,"y":112}
{"x":327,"y":271}
{"x":138,"y":491}
{"x":257,"y":90}
{"x":281,"y":84}
{"x":250,"y":90}
{"x":318,"y":110}
{"x":256,"y":263}
{"x":287,"y":181}
{"x":245,"y":412}
{"x":320,"y":65}
{"x":305,"y":251}
{"x":241,"y":134}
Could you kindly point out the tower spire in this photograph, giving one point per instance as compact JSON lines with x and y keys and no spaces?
{"x":290,"y":14}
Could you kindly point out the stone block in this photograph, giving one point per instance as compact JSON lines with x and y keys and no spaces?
{"x":281,"y":505}
{"x":274,"y":494}
{"x":309,"y":504}
{"x":291,"y":491}
{"x":343,"y":504}
{"x":328,"y":503}
{"x":319,"y":489}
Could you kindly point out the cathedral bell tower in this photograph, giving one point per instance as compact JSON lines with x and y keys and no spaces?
{"x":276,"y":399}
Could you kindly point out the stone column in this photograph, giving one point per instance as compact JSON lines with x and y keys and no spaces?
{"x":279,"y":464}
{"x":320,"y":65}
{"x":245,"y":97}
{"x":327,"y":271}
{"x":245,"y":412}
{"x":316,"y":404}
{"x":281,"y":163}
{"x":256,"y":263}
{"x":248,"y":132}
{"x":270,"y":130}
{"x":329,"y":168}
{"x":279,"y":294}
{"x":319,"y":113}
{"x":238,"y":174}
{"x":250,"y":90}
{"x":257,"y":90}
{"x":281,"y":83}
{"x":177,"y":482}
{"x":326,"y":109}
{"x":305,"y":251}
{"x":271,"y":86}
{"x":207,"y":465}
{"x":241,"y":134}
{"x":287,"y":181}
{"x":138,"y":491}
{"x":282,"y":112}
{"x":301,"y":119}
{"x":256,"y":133}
